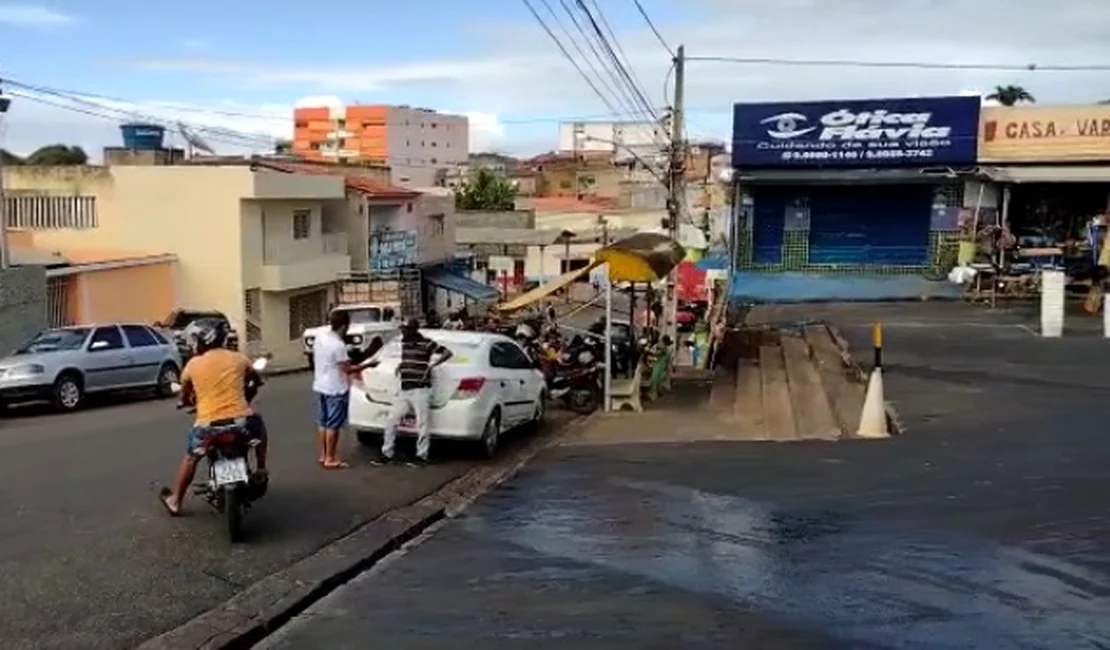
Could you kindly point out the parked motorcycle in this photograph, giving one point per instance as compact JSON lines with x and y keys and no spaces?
{"x":232,"y":485}
{"x":577,"y":380}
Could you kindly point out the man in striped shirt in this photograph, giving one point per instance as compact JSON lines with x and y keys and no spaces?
{"x":415,"y":374}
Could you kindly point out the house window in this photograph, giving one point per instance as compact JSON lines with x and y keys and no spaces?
{"x":301,"y":125}
{"x":250,"y":303}
{"x":302,"y":224}
{"x":408,"y":207}
{"x":305,"y":311}
{"x":39,"y":212}
{"x":436,"y":221}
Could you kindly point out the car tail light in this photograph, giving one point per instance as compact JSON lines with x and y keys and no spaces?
{"x":469,"y":388}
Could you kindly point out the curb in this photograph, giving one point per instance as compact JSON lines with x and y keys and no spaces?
{"x":253,"y":614}
{"x":894,"y":423}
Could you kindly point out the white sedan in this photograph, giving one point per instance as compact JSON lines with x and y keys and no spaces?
{"x":487,"y":387}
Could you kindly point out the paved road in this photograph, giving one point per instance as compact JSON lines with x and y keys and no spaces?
{"x":89,"y":560}
{"x":985,"y":526}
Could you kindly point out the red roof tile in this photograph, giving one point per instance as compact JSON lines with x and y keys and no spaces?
{"x":365,"y":183}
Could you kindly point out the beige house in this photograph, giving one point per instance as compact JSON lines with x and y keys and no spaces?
{"x":264,"y":243}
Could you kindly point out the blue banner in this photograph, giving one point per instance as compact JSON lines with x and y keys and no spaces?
{"x":857,"y":133}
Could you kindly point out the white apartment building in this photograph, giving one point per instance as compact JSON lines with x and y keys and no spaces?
{"x":420,"y":141}
{"x":624,"y":140}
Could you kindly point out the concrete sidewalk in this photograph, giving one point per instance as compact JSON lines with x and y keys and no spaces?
{"x":984,"y":526}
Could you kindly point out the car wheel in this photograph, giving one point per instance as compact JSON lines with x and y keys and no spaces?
{"x":491,"y":434}
{"x":167,"y":377}
{"x":69,"y":391}
{"x":541,"y":410}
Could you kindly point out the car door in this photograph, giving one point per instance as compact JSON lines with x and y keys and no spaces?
{"x":146,"y":354}
{"x":107,"y":362}
{"x":526,"y":378}
{"x":505,"y":381}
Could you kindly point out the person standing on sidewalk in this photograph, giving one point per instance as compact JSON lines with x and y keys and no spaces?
{"x":415,"y":375}
{"x":331,"y":386}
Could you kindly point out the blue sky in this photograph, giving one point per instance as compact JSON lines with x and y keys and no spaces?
{"x":242,"y":65}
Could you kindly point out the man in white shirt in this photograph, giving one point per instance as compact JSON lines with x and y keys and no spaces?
{"x":331,"y":385}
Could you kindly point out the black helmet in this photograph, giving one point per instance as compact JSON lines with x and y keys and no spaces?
{"x":206,"y":334}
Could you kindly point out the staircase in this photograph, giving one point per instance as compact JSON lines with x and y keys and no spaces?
{"x":787,"y":385}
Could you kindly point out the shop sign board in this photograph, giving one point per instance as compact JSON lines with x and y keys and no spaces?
{"x":392,"y":249}
{"x":915,"y":131}
{"x":1045,"y":134}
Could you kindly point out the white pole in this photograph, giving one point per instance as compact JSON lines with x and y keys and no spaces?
{"x":608,"y":339}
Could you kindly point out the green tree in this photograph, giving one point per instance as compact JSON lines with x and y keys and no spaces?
{"x":57,"y":154}
{"x":486,"y":191}
{"x":9,"y":158}
{"x":1011,"y":95}
{"x":283,"y":146}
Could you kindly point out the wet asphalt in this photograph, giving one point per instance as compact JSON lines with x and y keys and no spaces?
{"x":88,"y":559}
{"x":985,"y":526}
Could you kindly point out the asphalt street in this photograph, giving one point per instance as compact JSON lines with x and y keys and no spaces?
{"x":88,"y":559}
{"x":984,"y":526}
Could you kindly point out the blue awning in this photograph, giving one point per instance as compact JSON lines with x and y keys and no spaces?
{"x":461,"y":285}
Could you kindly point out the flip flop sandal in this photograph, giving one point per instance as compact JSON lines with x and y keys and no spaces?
{"x":336,"y":465}
{"x":163,"y":497}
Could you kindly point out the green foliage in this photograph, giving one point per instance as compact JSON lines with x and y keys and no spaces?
{"x":486,"y":191}
{"x":1011,"y":95}
{"x":57,"y":154}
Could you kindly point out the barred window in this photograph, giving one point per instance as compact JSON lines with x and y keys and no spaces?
{"x":37,"y":212}
{"x":307,"y":310}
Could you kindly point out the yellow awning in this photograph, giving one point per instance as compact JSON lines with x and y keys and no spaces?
{"x":545,"y":290}
{"x":643,"y":257}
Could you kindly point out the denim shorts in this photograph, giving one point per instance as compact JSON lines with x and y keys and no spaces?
{"x":331,"y":411}
{"x":255,"y":427}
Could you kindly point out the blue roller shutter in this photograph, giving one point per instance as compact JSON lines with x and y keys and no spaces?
{"x":870,"y":225}
{"x":768,"y":219}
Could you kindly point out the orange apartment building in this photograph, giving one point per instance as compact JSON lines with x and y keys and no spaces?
{"x":416,"y":143}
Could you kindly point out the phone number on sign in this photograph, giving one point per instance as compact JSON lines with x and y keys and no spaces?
{"x":880,"y":154}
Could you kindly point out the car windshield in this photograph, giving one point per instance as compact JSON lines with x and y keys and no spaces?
{"x":55,"y":340}
{"x":461,"y":351}
{"x":365,"y":315}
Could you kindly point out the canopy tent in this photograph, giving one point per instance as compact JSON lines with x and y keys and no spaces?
{"x":643,"y":257}
{"x":460,"y":284}
{"x":539,"y":293}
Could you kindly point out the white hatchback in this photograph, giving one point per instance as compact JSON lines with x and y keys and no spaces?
{"x":487,"y":387}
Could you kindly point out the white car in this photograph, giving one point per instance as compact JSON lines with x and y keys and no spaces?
{"x":369,"y":321}
{"x":487,"y":387}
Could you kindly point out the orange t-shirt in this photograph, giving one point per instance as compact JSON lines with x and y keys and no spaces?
{"x":218,"y":378}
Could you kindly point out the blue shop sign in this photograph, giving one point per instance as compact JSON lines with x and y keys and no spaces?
{"x":858,"y":133}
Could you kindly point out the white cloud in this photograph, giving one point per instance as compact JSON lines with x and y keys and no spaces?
{"x":512,"y":68}
{"x":34,"y":16}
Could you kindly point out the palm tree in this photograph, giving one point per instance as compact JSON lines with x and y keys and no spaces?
{"x":1011,"y":95}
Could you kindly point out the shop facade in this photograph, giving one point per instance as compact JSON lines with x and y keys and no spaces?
{"x":864,"y":187}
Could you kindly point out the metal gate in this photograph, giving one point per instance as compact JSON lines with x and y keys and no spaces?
{"x":58,"y":290}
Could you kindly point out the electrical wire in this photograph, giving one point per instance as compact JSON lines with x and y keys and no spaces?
{"x":651,"y":25}
{"x":621,"y":70}
{"x":916,"y":65}
{"x":635,"y":80}
{"x":614,"y":84}
{"x":573,"y":62}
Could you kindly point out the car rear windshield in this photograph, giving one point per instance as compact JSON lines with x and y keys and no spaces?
{"x":54,"y":340}
{"x":461,"y":351}
{"x":184,"y":318}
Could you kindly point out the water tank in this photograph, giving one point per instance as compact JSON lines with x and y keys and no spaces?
{"x":142,"y":136}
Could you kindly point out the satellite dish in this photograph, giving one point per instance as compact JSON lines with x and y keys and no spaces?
{"x":194,"y":140}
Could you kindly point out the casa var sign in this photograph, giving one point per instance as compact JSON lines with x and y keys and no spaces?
{"x":858,"y":133}
{"x":1045,"y":134}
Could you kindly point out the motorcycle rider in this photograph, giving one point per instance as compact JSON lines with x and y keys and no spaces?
{"x":215,"y":379}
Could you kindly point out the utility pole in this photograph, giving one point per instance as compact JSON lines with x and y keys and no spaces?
{"x":5,"y":255}
{"x":676,"y":201}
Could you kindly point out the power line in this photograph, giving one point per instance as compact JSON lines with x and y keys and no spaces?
{"x":635,"y":80}
{"x":563,"y":49}
{"x":623,"y":72}
{"x":916,"y":65}
{"x":647,"y":19}
{"x":615,"y":83}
